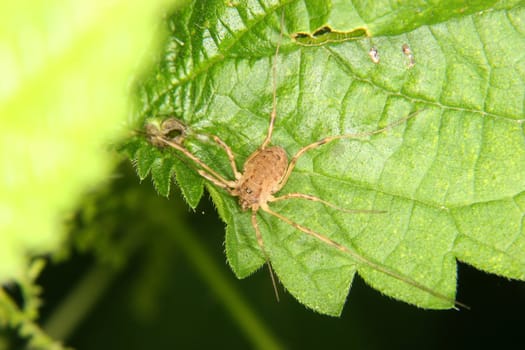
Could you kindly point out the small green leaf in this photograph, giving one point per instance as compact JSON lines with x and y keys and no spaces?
{"x":161,"y":172}
{"x":451,"y":180}
{"x":191,"y":184}
{"x":145,"y":157}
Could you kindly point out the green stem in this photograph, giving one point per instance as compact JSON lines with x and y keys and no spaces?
{"x":79,"y":302}
{"x":253,"y":327}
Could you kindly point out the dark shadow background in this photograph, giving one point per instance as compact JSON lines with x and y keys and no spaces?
{"x":166,"y":304}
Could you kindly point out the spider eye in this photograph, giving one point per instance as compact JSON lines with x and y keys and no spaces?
{"x":249,"y":191}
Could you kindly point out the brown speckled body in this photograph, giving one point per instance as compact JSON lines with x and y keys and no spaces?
{"x":261,"y":177}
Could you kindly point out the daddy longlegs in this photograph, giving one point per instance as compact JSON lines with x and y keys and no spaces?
{"x":266,"y":172}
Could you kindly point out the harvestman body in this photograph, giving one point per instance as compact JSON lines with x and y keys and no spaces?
{"x":266,"y":172}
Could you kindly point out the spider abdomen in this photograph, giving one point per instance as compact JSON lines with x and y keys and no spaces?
{"x":261,"y":176}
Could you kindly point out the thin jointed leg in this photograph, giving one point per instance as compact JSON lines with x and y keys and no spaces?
{"x":207,"y":172}
{"x":328,"y":204}
{"x":260,"y":242}
{"x":359,"y":259}
{"x":329,"y":139}
{"x":273,"y":114}
{"x":231,"y":157}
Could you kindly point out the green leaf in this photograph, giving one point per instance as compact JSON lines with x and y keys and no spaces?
{"x":65,"y":69}
{"x":145,"y":158}
{"x":191,"y":185}
{"x":160,"y":167}
{"x":451,"y":180}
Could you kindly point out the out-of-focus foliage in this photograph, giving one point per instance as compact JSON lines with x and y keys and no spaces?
{"x":65,"y":70}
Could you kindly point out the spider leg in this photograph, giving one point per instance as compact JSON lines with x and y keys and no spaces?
{"x":363,"y":260}
{"x":260,"y":242}
{"x":206,"y":171}
{"x":273,"y":114}
{"x":328,"y":204}
{"x":329,"y":139}
{"x":216,"y":182}
{"x":231,"y":157}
